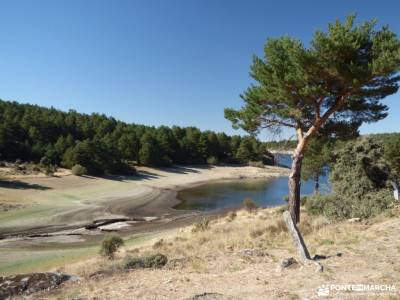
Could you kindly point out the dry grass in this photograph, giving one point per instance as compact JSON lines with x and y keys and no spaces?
{"x":239,"y":256}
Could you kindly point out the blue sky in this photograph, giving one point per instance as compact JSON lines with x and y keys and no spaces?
{"x":175,"y":62}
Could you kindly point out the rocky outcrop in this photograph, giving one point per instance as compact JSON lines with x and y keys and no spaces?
{"x":25,"y":284}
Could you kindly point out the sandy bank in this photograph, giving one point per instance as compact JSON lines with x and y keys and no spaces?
{"x":55,"y":203}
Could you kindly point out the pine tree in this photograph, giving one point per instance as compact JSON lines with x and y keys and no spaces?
{"x":339,"y":79}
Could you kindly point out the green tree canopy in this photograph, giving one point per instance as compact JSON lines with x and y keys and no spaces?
{"x":336,"y":82}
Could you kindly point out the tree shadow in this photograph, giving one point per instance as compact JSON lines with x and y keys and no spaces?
{"x":16,"y":184}
{"x":147,"y":175}
{"x":126,"y":178}
{"x":186,"y":169}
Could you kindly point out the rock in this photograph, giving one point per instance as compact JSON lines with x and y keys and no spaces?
{"x":211,"y":296}
{"x":354,"y":220}
{"x":25,"y":284}
{"x":177,"y":263}
{"x":254,"y":252}
{"x":114,"y":226}
{"x":285,"y":263}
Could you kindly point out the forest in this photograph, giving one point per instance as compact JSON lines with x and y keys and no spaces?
{"x":104,"y":145}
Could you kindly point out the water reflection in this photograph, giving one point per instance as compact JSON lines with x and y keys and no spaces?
{"x":230,"y":194}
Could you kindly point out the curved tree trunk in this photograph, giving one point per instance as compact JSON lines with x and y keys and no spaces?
{"x":294,"y":187}
{"x":295,"y":178}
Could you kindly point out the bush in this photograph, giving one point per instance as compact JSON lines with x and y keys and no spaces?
{"x":303,"y":199}
{"x":231,"y":216}
{"x":257,"y":164}
{"x":158,"y":244}
{"x":212,"y":160}
{"x":359,"y":183}
{"x":21,"y":167}
{"x":110,"y":245}
{"x":203,"y":225}
{"x":151,"y":261}
{"x":45,"y":161}
{"x":338,"y":207}
{"x":49,"y":170}
{"x":78,"y":170}
{"x":249,"y":204}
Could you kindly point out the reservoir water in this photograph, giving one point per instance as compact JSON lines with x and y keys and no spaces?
{"x":231,"y":193}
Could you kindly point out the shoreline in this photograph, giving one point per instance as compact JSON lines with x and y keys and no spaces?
{"x":51,"y":242}
{"x":143,"y":197}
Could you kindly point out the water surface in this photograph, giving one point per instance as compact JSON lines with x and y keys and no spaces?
{"x":230,"y":194}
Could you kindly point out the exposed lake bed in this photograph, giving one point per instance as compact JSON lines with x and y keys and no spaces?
{"x":33,"y":235}
{"x":73,"y":213}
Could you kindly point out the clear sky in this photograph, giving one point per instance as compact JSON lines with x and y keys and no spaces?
{"x":175,"y":62}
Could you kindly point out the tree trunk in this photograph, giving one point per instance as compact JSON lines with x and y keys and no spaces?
{"x":294,"y":186}
{"x":316,"y":186}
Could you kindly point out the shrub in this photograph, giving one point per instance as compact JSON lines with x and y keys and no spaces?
{"x":257,"y":164}
{"x":231,"y":216}
{"x":212,"y":160}
{"x":359,"y":183}
{"x":78,"y":170}
{"x":249,"y":204}
{"x":303,"y":199}
{"x":110,"y":245}
{"x":361,"y":160}
{"x":151,"y":261}
{"x":21,"y":167}
{"x":158,"y":244}
{"x":49,"y":170}
{"x":203,"y":225}
{"x":256,"y":232}
{"x":45,"y":161}
{"x":340,"y":207}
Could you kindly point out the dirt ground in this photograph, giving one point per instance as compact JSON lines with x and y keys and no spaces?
{"x":240,"y":258}
{"x":33,"y":201}
{"x":35,"y":204}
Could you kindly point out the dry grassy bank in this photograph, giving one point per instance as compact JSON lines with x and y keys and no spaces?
{"x":238,"y":256}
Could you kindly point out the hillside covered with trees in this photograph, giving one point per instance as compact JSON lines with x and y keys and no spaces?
{"x":103,"y":144}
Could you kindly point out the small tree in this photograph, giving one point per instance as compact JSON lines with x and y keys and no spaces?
{"x":245,"y":151}
{"x":148,"y":154}
{"x":315,"y":160}
{"x":361,"y":160}
{"x":110,"y":245}
{"x":78,"y":170}
{"x":392,"y":155}
{"x":249,"y":204}
{"x":337,"y":82}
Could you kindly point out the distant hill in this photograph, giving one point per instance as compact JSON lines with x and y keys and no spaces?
{"x":102,"y":144}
